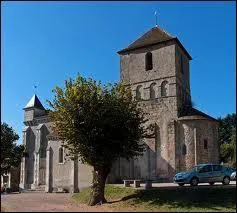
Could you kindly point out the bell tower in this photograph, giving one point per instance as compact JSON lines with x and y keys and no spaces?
{"x":156,"y":67}
{"x":33,"y":109}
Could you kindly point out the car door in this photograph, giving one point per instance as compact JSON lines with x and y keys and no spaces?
{"x":218,"y":173}
{"x":205,"y":174}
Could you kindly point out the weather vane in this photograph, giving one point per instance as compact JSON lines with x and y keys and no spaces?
{"x":35,"y":87}
{"x":156,"y":17}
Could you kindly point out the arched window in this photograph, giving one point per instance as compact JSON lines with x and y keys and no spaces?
{"x":152,"y":91}
{"x":138,"y":92}
{"x":148,"y":61}
{"x":164,"y":89}
{"x":184,"y":149}
{"x":60,"y":155}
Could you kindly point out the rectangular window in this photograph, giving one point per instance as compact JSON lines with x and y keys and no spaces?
{"x":205,"y":144}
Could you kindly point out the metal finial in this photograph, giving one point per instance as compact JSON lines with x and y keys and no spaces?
{"x":35,"y":87}
{"x":156,"y":17}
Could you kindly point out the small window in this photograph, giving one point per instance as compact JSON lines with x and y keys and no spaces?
{"x":184,"y":150}
{"x":60,"y":155}
{"x":152,"y":91}
{"x":164,"y":89}
{"x":205,"y":144}
{"x":138,"y":92}
{"x":148,"y":61}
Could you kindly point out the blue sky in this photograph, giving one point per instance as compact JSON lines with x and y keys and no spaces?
{"x":44,"y":43}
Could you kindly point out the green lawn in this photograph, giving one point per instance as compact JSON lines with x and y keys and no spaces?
{"x":179,"y":199}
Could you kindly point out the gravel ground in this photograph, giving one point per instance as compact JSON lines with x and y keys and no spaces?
{"x":62,"y":202}
{"x":44,"y":202}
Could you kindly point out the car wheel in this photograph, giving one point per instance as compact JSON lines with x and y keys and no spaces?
{"x":181,"y":184}
{"x":194,"y":182}
{"x":226,"y":180}
{"x":212,"y":183}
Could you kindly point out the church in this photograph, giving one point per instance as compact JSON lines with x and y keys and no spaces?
{"x":156,"y":67}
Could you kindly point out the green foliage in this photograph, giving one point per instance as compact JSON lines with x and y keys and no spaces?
{"x":225,"y":128}
{"x":227,"y":139}
{"x":11,"y":153}
{"x":100,"y":123}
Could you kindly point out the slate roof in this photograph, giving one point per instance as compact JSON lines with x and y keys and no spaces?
{"x":154,"y":36}
{"x":193,"y":113}
{"x":34,"y":103}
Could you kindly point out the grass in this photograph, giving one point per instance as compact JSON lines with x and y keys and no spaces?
{"x":174,"y":199}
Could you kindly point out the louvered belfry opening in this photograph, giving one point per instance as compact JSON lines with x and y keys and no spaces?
{"x":149,"y":63}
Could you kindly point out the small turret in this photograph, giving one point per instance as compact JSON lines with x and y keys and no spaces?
{"x":33,"y":109}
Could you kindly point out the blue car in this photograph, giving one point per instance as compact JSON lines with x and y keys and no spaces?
{"x":204,"y":173}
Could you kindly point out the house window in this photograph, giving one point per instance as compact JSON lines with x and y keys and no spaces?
{"x":148,"y":61}
{"x":60,"y":155}
{"x":164,"y":89}
{"x":184,"y":149}
{"x":152,"y":91}
{"x":138,"y":92}
{"x":205,"y":144}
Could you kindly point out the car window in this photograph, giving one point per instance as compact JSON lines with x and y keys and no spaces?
{"x":217,"y":167}
{"x":207,"y":168}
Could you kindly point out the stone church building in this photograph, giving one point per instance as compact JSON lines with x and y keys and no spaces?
{"x":156,"y":66}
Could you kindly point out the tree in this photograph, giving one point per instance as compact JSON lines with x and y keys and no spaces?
{"x":227,"y":142}
{"x":225,"y":128}
{"x":99,"y":123}
{"x":11,"y":153}
{"x":233,"y":144}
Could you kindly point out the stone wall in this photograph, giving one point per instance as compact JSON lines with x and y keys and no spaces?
{"x":61,"y":172}
{"x":132,"y":64}
{"x":193,"y":131}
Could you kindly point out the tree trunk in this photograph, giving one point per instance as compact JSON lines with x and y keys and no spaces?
{"x":98,"y":186}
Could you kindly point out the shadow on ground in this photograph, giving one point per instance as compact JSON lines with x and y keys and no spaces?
{"x":213,"y":198}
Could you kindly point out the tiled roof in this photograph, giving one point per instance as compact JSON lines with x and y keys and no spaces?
{"x":156,"y":34}
{"x":34,"y":103}
{"x":153,"y":36}
{"x":193,"y":113}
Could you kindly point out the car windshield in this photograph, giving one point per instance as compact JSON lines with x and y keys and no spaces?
{"x":196,"y":168}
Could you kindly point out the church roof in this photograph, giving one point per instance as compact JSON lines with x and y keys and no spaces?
{"x":154,"y":36}
{"x":193,"y":113}
{"x":34,"y":103}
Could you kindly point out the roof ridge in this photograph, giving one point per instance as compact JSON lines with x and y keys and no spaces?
{"x":165,"y":31}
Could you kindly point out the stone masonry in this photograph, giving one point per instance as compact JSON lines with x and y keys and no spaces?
{"x":156,"y":67}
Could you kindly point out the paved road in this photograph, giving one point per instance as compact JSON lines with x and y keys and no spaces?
{"x":62,"y":202}
{"x":167,"y":185}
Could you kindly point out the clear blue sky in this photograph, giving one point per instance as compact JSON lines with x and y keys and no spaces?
{"x":45,"y":43}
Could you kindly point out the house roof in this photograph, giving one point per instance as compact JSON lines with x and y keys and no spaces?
{"x":34,"y":103}
{"x":194,"y":114}
{"x":154,"y":36}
